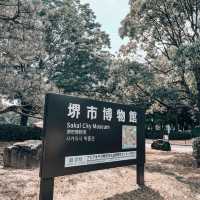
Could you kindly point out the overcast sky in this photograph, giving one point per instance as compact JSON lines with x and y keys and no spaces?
{"x":109,"y":14}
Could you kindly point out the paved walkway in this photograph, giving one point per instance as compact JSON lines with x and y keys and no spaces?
{"x":177,"y":148}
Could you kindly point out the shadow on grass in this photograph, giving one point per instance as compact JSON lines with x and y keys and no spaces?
{"x":180,"y":167}
{"x":140,"y":193}
{"x":192,"y":182}
{"x":178,"y":163}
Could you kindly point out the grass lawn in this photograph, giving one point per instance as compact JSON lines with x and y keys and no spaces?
{"x":168,"y":176}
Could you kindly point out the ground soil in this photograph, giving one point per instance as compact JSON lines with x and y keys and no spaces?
{"x":168,"y":176}
{"x":176,"y":142}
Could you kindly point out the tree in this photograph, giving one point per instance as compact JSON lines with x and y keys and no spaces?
{"x":167,"y":29}
{"x":21,"y":51}
{"x":127,"y":80}
{"x":45,"y":42}
{"x":77,"y":48}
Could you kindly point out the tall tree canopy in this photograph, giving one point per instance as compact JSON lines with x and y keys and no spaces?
{"x":45,"y":44}
{"x":77,"y":48}
{"x":169,"y":33}
{"x":21,"y":49}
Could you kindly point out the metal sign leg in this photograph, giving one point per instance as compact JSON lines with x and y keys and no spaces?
{"x":140,"y":175}
{"x":46,"y":188}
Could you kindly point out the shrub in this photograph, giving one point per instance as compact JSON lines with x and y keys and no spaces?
{"x":186,"y":135}
{"x":196,"y":148}
{"x":10,"y":132}
{"x":161,"y":145}
{"x":154,"y":135}
{"x":196,"y":132}
{"x":172,"y":136}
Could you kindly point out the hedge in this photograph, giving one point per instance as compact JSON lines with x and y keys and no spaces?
{"x":172,"y":136}
{"x":9,"y":132}
{"x":153,"y":135}
{"x":180,"y":135}
{"x":196,"y":132}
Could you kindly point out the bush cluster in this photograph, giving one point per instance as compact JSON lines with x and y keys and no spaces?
{"x":196,"y":132}
{"x":154,"y":135}
{"x":10,"y":132}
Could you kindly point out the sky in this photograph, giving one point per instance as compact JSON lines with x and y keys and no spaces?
{"x":109,"y":14}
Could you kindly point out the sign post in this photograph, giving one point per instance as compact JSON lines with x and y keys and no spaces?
{"x":82,"y":135}
{"x":46,"y":188}
{"x":166,"y":137}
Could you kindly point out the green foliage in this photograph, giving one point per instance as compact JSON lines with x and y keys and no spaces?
{"x":172,"y":136}
{"x":168,"y":32}
{"x":45,"y":1}
{"x":51,"y":44}
{"x":196,"y":132}
{"x":9,"y":118}
{"x":22,"y":49}
{"x":77,"y":47}
{"x":42,"y":13}
{"x":127,"y":81}
{"x":153,"y":134}
{"x":10,"y":132}
{"x":186,"y":135}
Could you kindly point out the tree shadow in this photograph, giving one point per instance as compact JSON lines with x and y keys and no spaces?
{"x":179,"y":166}
{"x":193,"y":182}
{"x":179,"y":163}
{"x":140,"y":193}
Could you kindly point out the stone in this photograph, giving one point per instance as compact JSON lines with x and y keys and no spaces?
{"x":22,"y":155}
{"x":161,"y":145}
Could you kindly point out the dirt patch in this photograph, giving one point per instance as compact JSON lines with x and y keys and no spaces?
{"x":168,"y":176}
{"x":141,"y":193}
{"x":176,"y":142}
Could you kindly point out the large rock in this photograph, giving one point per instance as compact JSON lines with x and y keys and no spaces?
{"x":161,"y":145}
{"x":23,"y":154}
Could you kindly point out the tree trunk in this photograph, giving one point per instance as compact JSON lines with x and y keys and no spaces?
{"x":197,"y":77}
{"x":24,"y":120}
{"x":25,"y":110}
{"x":198,"y":103}
{"x":198,"y":95}
{"x":176,"y":123}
